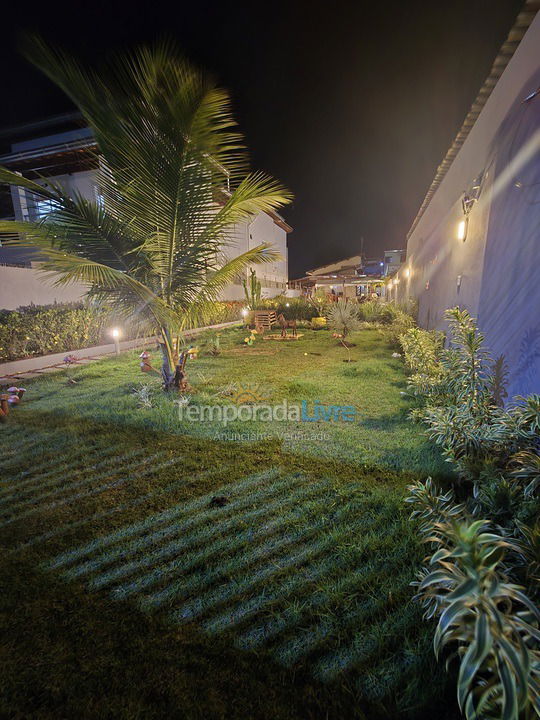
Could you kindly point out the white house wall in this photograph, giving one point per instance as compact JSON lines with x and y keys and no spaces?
{"x":26,"y":286}
{"x":262,"y":229}
{"x":495,"y":272}
{"x":245,"y":236}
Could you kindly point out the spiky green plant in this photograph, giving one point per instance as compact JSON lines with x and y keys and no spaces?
{"x":343,"y":317}
{"x":499,"y":381}
{"x":470,"y":367}
{"x":252,"y":291}
{"x":485,"y":620}
{"x":173,"y":180}
{"x":526,"y":467}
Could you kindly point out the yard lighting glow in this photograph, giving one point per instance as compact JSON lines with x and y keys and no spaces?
{"x":407,"y":272}
{"x":244,"y":312}
{"x":115,"y":332}
{"x":462,"y":230}
{"x":287,"y":304}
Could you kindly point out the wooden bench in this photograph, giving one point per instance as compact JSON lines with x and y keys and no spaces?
{"x":264,"y":319}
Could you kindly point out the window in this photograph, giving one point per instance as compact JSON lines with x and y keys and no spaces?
{"x":42,"y":208}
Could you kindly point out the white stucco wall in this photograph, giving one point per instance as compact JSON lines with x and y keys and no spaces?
{"x":262,"y":229}
{"x":273,"y":276}
{"x":26,"y":286}
{"x":494,"y":272}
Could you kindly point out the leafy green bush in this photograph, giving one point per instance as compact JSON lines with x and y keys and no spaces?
{"x":299,"y":308}
{"x":478,"y":582}
{"x":39,"y":330}
{"x":400,"y":324}
{"x":485,"y":619}
{"x":44,"y":329}
{"x":375,"y":311}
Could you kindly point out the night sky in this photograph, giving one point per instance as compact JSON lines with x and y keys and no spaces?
{"x":351,"y":105}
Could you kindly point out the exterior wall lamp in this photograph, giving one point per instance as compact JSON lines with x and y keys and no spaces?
{"x":462,"y":229}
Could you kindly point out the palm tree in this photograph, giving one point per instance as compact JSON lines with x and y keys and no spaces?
{"x":173,"y":182}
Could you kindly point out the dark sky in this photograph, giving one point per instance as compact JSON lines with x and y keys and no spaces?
{"x":351,"y":104}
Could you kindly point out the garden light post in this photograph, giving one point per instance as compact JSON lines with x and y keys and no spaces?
{"x":115,"y":332}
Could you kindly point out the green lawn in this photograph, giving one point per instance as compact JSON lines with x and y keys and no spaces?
{"x":127,"y":592}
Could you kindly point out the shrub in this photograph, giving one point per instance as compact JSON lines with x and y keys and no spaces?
{"x":299,"y":308}
{"x":401,"y":323}
{"x":343,"y":317}
{"x":44,"y":329}
{"x":473,"y":575}
{"x":485,"y":619}
{"x":39,"y":330}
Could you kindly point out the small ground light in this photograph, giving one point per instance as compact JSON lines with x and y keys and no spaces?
{"x":287,"y":304}
{"x":115,"y":332}
{"x":244,"y":312}
{"x":407,"y":272}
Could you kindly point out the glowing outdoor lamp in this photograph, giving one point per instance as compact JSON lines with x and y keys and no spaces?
{"x":287,"y":304}
{"x":407,"y":272}
{"x":115,"y":332}
{"x":462,"y":230}
{"x":244,"y":312}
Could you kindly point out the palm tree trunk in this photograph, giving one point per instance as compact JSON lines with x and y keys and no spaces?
{"x":173,"y":366}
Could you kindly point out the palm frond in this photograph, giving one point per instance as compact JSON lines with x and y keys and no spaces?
{"x":199,"y":306}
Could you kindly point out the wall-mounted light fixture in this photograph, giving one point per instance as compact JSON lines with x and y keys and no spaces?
{"x":468,"y":200}
{"x":458,"y":282}
{"x":407,"y":272}
{"x":462,"y":229}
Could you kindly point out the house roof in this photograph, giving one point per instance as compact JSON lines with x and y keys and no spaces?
{"x":520,"y":27}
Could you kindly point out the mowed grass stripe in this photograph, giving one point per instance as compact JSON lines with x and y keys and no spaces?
{"x":218,"y":549}
{"x":150,"y":521}
{"x":341,"y":583}
{"x":306,"y":576}
{"x":88,"y":493}
{"x":364,"y":646}
{"x":70,"y":527}
{"x":184,"y":543}
{"x":329,"y":622}
{"x":52,"y":449}
{"x":52,"y":492}
{"x":61,"y":475}
{"x":207,"y":602}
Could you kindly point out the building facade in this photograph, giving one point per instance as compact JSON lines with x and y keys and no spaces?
{"x":476,"y":239}
{"x":66,"y":155}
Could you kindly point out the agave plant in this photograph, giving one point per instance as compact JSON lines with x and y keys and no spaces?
{"x":485,"y":621}
{"x":343,"y":317}
{"x":173,"y":181}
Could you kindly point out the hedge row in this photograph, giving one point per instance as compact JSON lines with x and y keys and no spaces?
{"x":39,"y":330}
{"x":43,"y":329}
